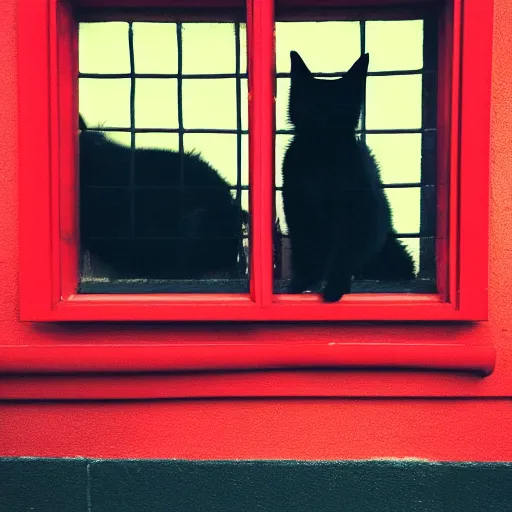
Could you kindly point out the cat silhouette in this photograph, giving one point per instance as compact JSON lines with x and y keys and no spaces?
{"x":339,"y":219}
{"x":174,"y":218}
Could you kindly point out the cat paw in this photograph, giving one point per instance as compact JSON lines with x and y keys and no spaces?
{"x":331,"y":295}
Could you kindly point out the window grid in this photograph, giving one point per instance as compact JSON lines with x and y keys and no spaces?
{"x":180,"y":76}
{"x":426,"y":233}
{"x":428,"y":166}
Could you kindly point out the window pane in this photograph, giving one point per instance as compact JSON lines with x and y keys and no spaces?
{"x":328,"y":184}
{"x":208,"y":48}
{"x":105,"y":102}
{"x":243,"y":48}
{"x":245,"y":159}
{"x":217,"y":149}
{"x":165,"y":209}
{"x":282,"y":143}
{"x":413,"y":247}
{"x":149,"y":36}
{"x":157,"y":141}
{"x":393,"y":102}
{"x":399,"y":156}
{"x":244,"y":89}
{"x":404,"y":204}
{"x":315,"y":43}
{"x":395,"y":45}
{"x":156,"y":103}
{"x":283,"y":91}
{"x":103,"y":48}
{"x":280,"y":212}
{"x":209,"y":103}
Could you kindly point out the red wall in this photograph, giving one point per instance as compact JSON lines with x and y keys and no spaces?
{"x":435,"y":428}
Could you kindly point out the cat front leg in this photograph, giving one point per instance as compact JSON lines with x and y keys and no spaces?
{"x":338,"y":275}
{"x":337,"y":286}
{"x":339,"y":282}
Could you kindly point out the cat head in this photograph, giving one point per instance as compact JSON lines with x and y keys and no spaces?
{"x":316,"y":103}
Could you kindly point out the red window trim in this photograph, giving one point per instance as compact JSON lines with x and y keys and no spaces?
{"x":37,"y":373}
{"x":48,"y":238}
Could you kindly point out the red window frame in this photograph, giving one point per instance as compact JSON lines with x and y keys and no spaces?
{"x":47,"y":154}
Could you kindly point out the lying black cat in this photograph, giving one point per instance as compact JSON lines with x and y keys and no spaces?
{"x":339,"y":219}
{"x":180,"y":220}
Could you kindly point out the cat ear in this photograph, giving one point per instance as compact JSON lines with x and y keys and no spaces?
{"x":298,"y":67}
{"x":356,"y":75}
{"x":81,"y":123}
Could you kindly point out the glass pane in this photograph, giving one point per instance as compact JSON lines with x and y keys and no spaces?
{"x":312,"y":39}
{"x":123,"y":138}
{"x":322,"y":179}
{"x":153,"y":219}
{"x":393,"y":102}
{"x":157,"y":141}
{"x":282,"y":143}
{"x":245,"y":159}
{"x":105,"y":102}
{"x":147,"y":38}
{"x":156,"y":103}
{"x":280,"y":213}
{"x":404,"y":204}
{"x":413,"y":247}
{"x":213,"y":148}
{"x":208,"y":48}
{"x":283,"y":92}
{"x":399,"y":156}
{"x":102,"y":48}
{"x":395,"y":45}
{"x":243,"y":48}
{"x":209,"y":103}
{"x":244,"y":90}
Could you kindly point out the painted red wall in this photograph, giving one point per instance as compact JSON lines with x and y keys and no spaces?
{"x":442,"y":429}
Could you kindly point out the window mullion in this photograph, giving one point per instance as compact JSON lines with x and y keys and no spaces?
{"x":261,"y":61}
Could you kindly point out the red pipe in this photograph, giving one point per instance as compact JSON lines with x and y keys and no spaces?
{"x":173,"y":358}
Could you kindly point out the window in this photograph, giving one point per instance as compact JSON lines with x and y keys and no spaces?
{"x":156,"y":87}
{"x":398,"y":123}
{"x":164,"y":219}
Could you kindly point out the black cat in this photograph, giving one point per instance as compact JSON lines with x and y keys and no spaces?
{"x":339,"y":219}
{"x":180,"y":220}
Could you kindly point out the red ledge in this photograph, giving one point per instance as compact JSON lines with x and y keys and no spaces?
{"x":238,"y":356}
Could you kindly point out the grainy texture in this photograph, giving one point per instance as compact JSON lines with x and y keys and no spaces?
{"x":300,"y":429}
{"x":287,"y":486}
{"x":249,"y":486}
{"x":43,"y":485}
{"x":309,"y":429}
{"x":298,"y":487}
{"x":501,"y":177}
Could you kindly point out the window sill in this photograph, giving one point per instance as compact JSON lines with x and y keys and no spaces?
{"x":150,"y":286}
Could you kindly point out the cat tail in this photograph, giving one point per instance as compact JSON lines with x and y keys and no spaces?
{"x":392,"y":263}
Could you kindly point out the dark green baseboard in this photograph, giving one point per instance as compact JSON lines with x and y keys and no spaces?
{"x":70,"y":485}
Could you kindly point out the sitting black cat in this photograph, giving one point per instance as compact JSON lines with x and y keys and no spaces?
{"x":178,"y":221}
{"x":339,"y":219}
